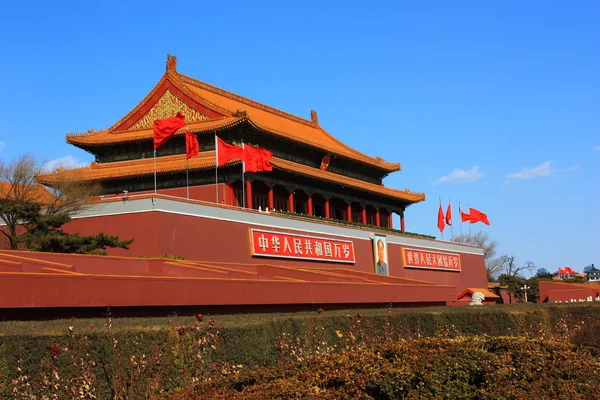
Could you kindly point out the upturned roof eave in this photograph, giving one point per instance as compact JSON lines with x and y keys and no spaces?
{"x":180,"y":82}
{"x":141,"y":135}
{"x":387,"y":169}
{"x":357,"y":155}
{"x":176,"y":164}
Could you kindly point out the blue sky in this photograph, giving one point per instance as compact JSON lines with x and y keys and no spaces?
{"x":493,"y":104}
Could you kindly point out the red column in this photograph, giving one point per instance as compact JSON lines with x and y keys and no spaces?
{"x":402,"y":221}
{"x":390,"y":221}
{"x":377,"y":218}
{"x":327,"y":215}
{"x":349,"y":212}
{"x":291,"y":201}
{"x":228,"y":195}
{"x":270,"y":199}
{"x":248,"y":193}
{"x":309,"y":205}
{"x":363,"y":215}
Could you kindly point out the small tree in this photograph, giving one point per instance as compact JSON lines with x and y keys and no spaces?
{"x":44,"y":233}
{"x":18,"y":189}
{"x":34,"y":214}
{"x":542,"y":274}
{"x":481,"y":239}
{"x":513,"y":277}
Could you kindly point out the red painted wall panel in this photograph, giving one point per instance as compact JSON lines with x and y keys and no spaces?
{"x":203,"y":239}
{"x":202,"y":193}
{"x":551,"y":291}
{"x":72,"y":291}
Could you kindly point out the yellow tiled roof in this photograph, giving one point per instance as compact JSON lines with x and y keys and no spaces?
{"x":486,"y":293}
{"x":281,"y":123}
{"x":223,"y":108}
{"x":107,"y":137}
{"x":37,"y":193}
{"x":176,"y":163}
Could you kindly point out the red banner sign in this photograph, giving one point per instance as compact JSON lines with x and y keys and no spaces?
{"x":285,"y":245}
{"x":431,"y":260}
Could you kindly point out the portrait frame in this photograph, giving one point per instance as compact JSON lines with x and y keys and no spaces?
{"x":385,"y":268}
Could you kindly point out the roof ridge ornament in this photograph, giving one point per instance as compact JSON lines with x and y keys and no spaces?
{"x":314,"y":118}
{"x":171,"y":63}
{"x":240,"y":113}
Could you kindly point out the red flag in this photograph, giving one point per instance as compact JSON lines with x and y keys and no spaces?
{"x":441,"y":225}
{"x":449,"y":215}
{"x":192,"y":148}
{"x":165,"y":128}
{"x":257,"y":160}
{"x":464,"y":217}
{"x":478,"y":216}
{"x":227,"y":152}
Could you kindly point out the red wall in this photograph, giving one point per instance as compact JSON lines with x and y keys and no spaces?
{"x":564,"y":292}
{"x":202,"y":193}
{"x":35,"y":290}
{"x":203,"y":239}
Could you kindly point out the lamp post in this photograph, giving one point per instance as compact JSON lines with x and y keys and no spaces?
{"x":525,"y":288}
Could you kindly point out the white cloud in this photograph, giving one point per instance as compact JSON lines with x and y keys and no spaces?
{"x":544,"y":169}
{"x":461,"y":176}
{"x":2,"y":144}
{"x":66,"y":162}
{"x":597,"y":148}
{"x":572,"y":168}
{"x":528,"y":173}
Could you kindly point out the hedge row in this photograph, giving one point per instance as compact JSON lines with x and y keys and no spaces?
{"x":479,"y":367}
{"x":147,"y":357}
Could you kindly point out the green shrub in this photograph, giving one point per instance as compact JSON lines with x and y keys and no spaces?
{"x":144,"y":357}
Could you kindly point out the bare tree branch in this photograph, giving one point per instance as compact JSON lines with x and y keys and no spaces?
{"x":69,"y":194}
{"x":18,"y":179}
{"x":19,"y":191}
{"x":493,"y":265}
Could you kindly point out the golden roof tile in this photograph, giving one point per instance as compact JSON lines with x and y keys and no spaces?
{"x":486,"y":293}
{"x":201,"y":100}
{"x":36,"y":193}
{"x":283,"y":124}
{"x":107,"y":137}
{"x":291,"y":166}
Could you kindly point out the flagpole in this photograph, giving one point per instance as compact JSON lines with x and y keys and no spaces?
{"x":154,"y":171}
{"x":469,"y":207}
{"x":451,"y":226}
{"x":187,"y":177}
{"x":243,"y":181}
{"x":216,"y":169}
{"x":460,"y":215}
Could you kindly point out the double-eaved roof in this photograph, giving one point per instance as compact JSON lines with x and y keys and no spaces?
{"x":206,"y":160}
{"x":209,"y":109}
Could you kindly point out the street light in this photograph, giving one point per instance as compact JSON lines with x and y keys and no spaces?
{"x":525,"y":288}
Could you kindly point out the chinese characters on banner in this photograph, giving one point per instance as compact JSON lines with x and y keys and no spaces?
{"x":302,"y":247}
{"x":431,"y":260}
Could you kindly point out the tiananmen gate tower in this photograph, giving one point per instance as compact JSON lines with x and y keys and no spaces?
{"x":349,"y":188}
{"x":316,"y":230}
